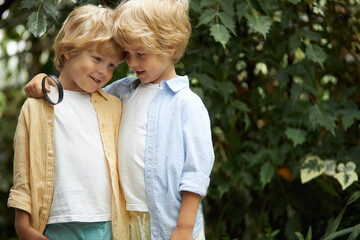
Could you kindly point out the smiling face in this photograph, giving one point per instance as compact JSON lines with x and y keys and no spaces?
{"x":87,"y":71}
{"x":150,"y":67}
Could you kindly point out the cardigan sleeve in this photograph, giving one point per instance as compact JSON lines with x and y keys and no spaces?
{"x":20,"y":196}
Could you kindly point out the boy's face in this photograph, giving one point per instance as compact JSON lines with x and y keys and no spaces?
{"x":87,"y":72}
{"x":150,"y":67}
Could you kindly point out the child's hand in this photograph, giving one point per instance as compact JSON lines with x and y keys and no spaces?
{"x":182,"y":233}
{"x":33,"y":88}
{"x":31,"y":234}
{"x":24,"y":229}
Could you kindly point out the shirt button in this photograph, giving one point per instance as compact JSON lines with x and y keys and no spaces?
{"x":43,"y":212}
{"x":50,"y":152}
{"x":48,"y":184}
{"x":50,"y":121}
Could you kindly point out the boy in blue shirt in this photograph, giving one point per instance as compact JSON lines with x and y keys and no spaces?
{"x":165,"y":146}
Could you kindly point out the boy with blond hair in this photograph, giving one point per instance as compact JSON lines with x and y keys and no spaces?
{"x":165,"y":146}
{"x":66,"y":182}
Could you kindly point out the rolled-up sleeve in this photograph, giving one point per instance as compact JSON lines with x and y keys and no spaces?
{"x":20,"y":193}
{"x":199,"y":153}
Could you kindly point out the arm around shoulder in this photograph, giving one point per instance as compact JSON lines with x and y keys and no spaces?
{"x":33,"y":88}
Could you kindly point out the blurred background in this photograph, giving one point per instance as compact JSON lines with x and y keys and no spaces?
{"x":280,"y":79}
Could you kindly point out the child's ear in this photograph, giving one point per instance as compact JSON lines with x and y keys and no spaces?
{"x":172,"y":51}
{"x":67,"y":55}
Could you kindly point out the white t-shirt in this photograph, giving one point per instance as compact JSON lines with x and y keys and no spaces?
{"x":131,"y":146}
{"x":82,"y":190}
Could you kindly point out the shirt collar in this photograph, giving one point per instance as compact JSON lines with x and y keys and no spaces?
{"x":100,"y":93}
{"x":176,"y":84}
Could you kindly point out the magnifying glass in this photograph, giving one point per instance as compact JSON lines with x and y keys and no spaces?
{"x":56,"y":93}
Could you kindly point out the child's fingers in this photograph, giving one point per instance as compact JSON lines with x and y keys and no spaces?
{"x":33,"y":88}
{"x":34,"y":91}
{"x":47,"y":86}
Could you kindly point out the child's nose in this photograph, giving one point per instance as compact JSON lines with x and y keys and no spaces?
{"x":103,"y":68}
{"x":131,"y":62}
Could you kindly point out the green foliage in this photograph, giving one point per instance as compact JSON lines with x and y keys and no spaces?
{"x":260,"y":24}
{"x":280,"y":81}
{"x":298,"y":136}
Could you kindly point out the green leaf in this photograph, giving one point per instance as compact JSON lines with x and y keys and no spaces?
{"x":195,"y":6}
{"x":346,"y":175}
{"x":346,"y":178}
{"x":207,"y":3}
{"x":220,"y":34}
{"x":225,"y":89}
{"x":335,"y":224}
{"x":206,"y":81}
{"x":241,"y":106}
{"x":312,"y":167}
{"x":299,"y":236}
{"x":260,"y":24}
{"x":354,"y":233}
{"x":298,"y":136}
{"x":347,"y":121}
{"x":29,"y":4}
{"x":259,"y":6}
{"x":206,"y":17}
{"x":309,"y":235}
{"x":50,"y":9}
{"x":37,"y":23}
{"x":228,"y":22}
{"x":228,"y":7}
{"x":241,"y":9}
{"x":311,"y":35}
{"x":266,"y":173}
{"x":348,"y":117}
{"x":315,"y":53}
{"x":305,"y":70}
{"x":321,"y":118}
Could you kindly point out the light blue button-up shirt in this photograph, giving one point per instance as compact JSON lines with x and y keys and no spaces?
{"x":179,"y":153}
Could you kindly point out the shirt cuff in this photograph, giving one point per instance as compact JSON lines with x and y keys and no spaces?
{"x":19,"y":200}
{"x":195,"y":182}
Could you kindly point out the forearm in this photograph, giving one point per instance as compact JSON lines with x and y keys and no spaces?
{"x":22,"y":222}
{"x":186,"y":220}
{"x":188,"y":211}
{"x":23,"y":227}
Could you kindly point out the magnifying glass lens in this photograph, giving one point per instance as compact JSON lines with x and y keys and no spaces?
{"x":55,"y":95}
{"x":54,"y":91}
